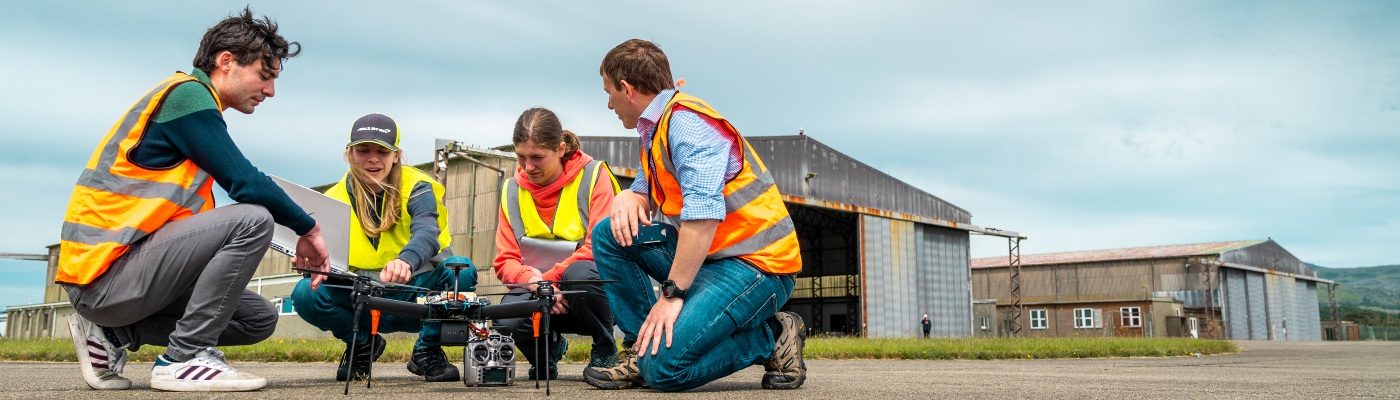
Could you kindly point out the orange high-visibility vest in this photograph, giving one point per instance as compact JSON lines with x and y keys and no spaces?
{"x":116,"y":202}
{"x":757,"y":227}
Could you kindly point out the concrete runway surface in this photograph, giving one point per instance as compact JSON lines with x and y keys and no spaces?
{"x":1314,"y":370}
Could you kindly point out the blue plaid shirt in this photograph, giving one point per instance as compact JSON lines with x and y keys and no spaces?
{"x":704,"y":158}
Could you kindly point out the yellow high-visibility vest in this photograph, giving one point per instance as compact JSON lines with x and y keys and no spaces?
{"x":542,"y":246}
{"x":365,"y":255}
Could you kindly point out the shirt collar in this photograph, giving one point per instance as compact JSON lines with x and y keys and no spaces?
{"x":658,"y":104}
{"x":202,"y":76}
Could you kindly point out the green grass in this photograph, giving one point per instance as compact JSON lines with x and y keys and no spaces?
{"x":1005,"y":348}
{"x":329,"y":350}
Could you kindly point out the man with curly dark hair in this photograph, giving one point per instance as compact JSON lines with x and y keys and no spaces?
{"x":146,"y":258}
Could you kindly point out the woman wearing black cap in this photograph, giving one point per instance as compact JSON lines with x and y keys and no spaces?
{"x":398,"y":226}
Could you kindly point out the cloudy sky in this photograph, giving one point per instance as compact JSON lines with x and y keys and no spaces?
{"x":1084,"y":125}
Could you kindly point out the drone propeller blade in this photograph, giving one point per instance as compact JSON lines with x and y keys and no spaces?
{"x":406,"y":287}
{"x":330,"y":273}
{"x":559,"y":283}
{"x":584,"y":282}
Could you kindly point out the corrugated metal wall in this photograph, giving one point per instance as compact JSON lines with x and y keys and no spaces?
{"x":1309,"y":318}
{"x":1258,"y":304}
{"x":1274,"y":305}
{"x":1258,"y":321}
{"x":944,"y":279}
{"x":911,"y":269}
{"x":1236,"y":307}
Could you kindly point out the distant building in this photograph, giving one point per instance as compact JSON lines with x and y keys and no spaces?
{"x":878,"y":253}
{"x":1234,"y":290}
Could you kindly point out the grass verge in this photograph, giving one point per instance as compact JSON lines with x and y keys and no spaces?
{"x":399,"y":349}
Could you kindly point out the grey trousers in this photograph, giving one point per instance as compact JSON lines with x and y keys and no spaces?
{"x":185,"y":285}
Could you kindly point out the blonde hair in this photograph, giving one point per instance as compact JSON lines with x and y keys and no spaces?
{"x":364,"y":196}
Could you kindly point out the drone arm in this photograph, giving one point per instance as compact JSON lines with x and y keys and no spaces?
{"x":396,"y":307}
{"x":509,"y":310}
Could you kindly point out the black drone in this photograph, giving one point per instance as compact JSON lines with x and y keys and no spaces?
{"x":488,"y":357}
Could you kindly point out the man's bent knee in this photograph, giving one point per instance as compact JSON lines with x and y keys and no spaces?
{"x":254,"y":216}
{"x":264,"y":318}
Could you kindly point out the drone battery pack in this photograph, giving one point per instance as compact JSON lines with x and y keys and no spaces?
{"x":456,"y":333}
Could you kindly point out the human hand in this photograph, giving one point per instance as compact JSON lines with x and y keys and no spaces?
{"x":561,"y":306}
{"x":312,"y":255}
{"x":628,"y":209}
{"x":396,"y":271}
{"x":661,"y":320}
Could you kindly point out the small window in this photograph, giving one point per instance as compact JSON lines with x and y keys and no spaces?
{"x":984,"y":320}
{"x":1038,"y":319}
{"x":1131,"y":317}
{"x":284,"y":306}
{"x":1085,"y":318}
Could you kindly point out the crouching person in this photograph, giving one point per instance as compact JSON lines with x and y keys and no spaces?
{"x":398,"y":224}
{"x":146,"y":258}
{"x":728,"y":269}
{"x":556,"y":196}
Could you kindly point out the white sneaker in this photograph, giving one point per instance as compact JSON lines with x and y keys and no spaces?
{"x":100,"y":361}
{"x":206,"y":372}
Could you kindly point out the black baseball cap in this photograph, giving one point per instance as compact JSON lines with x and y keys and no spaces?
{"x":375,"y":128}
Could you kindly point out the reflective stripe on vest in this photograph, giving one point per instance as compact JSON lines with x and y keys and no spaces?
{"x":543,"y":246}
{"x":365,"y":255}
{"x":116,"y":203}
{"x":570,"y":217}
{"x":756,"y":227}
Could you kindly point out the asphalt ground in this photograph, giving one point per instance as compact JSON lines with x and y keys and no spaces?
{"x":1317,"y":370}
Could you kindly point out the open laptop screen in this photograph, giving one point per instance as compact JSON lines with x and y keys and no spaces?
{"x":331,"y":214}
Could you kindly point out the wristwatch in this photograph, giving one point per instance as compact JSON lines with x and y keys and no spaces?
{"x":671,"y":291}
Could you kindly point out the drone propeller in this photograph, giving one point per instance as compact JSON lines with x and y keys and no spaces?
{"x":558,"y":283}
{"x":402,"y":287}
{"x":329,"y":273}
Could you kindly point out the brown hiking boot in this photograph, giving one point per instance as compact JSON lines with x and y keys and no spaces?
{"x":622,"y":375}
{"x":786,"y":369}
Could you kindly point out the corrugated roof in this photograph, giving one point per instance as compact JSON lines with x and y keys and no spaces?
{"x":1132,"y":253}
{"x":807,"y":168}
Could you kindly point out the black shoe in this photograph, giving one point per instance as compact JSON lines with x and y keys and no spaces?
{"x":431,"y":363}
{"x":553,"y":372}
{"x":786,"y":369}
{"x":358,"y":369}
{"x":561,"y":346}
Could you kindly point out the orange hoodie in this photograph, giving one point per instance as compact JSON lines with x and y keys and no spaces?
{"x":507,"y":262}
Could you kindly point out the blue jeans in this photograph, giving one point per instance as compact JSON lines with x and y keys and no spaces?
{"x":333,"y":309}
{"x":722,"y":326}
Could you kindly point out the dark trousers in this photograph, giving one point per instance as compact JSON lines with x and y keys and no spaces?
{"x":588,"y":315}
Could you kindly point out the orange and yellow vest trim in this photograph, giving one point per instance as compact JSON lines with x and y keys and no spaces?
{"x":757,"y":227}
{"x":117,"y":203}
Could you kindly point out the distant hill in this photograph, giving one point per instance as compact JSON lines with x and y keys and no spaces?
{"x":1375,"y":288}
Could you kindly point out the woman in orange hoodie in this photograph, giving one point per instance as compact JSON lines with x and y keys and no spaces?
{"x":548,"y":209}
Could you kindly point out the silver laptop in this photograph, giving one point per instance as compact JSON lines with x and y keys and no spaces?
{"x":331,"y":214}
